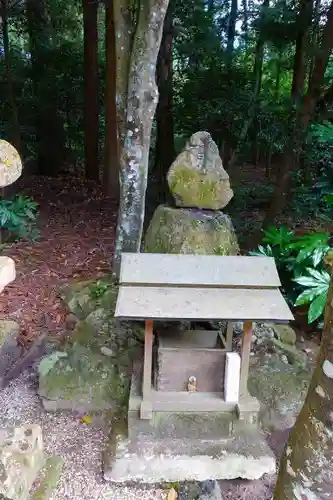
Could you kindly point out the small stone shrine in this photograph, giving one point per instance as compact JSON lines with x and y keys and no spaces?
{"x":190,"y":416}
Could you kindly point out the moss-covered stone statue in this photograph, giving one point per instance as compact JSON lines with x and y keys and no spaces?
{"x":201,"y":188}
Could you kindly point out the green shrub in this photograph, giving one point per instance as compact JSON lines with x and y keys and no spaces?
{"x":18,"y":219}
{"x":300,"y":263}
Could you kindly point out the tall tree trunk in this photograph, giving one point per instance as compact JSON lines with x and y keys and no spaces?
{"x":303,"y":26}
{"x":257,"y":78}
{"x":245,"y":23}
{"x":91,"y":89}
{"x":314,"y":36}
{"x":306,"y":465}
{"x":232,"y":29}
{"x":111,"y":162}
{"x":49,"y":125}
{"x":165,"y":148}
{"x":137,"y":97}
{"x":15,"y":134}
{"x":300,"y":121}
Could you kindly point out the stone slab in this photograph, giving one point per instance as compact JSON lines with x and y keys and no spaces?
{"x":10,"y":350}
{"x":7,"y":271}
{"x":206,"y":270}
{"x":21,"y":459}
{"x":182,"y":425}
{"x":245,"y":455}
{"x":180,"y":303}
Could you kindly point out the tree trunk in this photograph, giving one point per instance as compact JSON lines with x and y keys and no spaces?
{"x":245,"y":23}
{"x":257,"y":78}
{"x":232,"y":29}
{"x":303,"y":26}
{"x":138,"y":98}
{"x":91,"y":89}
{"x":15,"y":134}
{"x":165,"y":148}
{"x":299,"y":122}
{"x":50,"y":133}
{"x":305,"y":468}
{"x":111,"y":163}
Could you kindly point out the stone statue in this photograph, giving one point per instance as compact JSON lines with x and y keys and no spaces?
{"x":201,"y":188}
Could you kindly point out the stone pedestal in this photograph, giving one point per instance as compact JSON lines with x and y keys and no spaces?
{"x":185,"y":445}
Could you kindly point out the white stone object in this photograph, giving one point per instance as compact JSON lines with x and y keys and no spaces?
{"x":10,"y":164}
{"x":232,"y":377}
{"x":21,"y":459}
{"x":7,"y":271}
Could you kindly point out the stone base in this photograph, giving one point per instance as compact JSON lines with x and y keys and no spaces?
{"x":181,"y":443}
{"x":246,"y":455}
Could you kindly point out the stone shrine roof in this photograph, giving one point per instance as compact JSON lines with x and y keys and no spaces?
{"x":199,"y":287}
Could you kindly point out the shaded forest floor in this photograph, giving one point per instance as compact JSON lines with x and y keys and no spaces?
{"x":77,"y":225}
{"x":77,"y":232}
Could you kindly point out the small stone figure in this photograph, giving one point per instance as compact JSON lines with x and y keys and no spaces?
{"x":192,"y":384}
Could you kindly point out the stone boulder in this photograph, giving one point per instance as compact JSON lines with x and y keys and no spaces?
{"x":79,"y":379}
{"x":10,"y":351}
{"x":197,"y":178}
{"x":7,"y":271}
{"x":21,"y":460}
{"x":281,"y":389}
{"x":186,"y":231}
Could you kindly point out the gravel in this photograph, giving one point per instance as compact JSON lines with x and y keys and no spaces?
{"x":78,"y":444}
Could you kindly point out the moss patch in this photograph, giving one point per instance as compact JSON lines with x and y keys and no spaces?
{"x":49,"y":480}
{"x":84,"y":379}
{"x":280,"y":388}
{"x":190,"y":232}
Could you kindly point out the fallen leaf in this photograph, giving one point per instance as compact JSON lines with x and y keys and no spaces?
{"x":86,"y":419}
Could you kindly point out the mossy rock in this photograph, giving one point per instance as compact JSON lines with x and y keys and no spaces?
{"x":80,"y":380}
{"x":50,"y":476}
{"x":294,"y":356}
{"x":281,"y":389}
{"x":285,"y":333}
{"x":185,"y":231}
{"x":197,"y":178}
{"x":85,"y":297}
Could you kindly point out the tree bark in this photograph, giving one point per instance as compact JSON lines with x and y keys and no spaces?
{"x":15,"y":134}
{"x":305,"y":468}
{"x":232,"y":29}
{"x":165,"y":148}
{"x":300,"y":119}
{"x":111,"y":164}
{"x":303,"y":26}
{"x":139,"y":103}
{"x":245,"y":23}
{"x":257,"y":78}
{"x":91,"y":89}
{"x":50,"y":133}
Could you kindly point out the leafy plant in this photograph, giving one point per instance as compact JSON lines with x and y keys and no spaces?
{"x":18,"y":219}
{"x":300,"y":263}
{"x":316,"y":286}
{"x":98,"y":289}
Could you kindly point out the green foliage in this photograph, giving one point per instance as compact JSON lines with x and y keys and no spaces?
{"x":18,"y":219}
{"x":98,"y":289}
{"x":300,"y":263}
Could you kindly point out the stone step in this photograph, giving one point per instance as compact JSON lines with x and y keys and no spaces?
{"x":245,"y":455}
{"x":183,"y":425}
